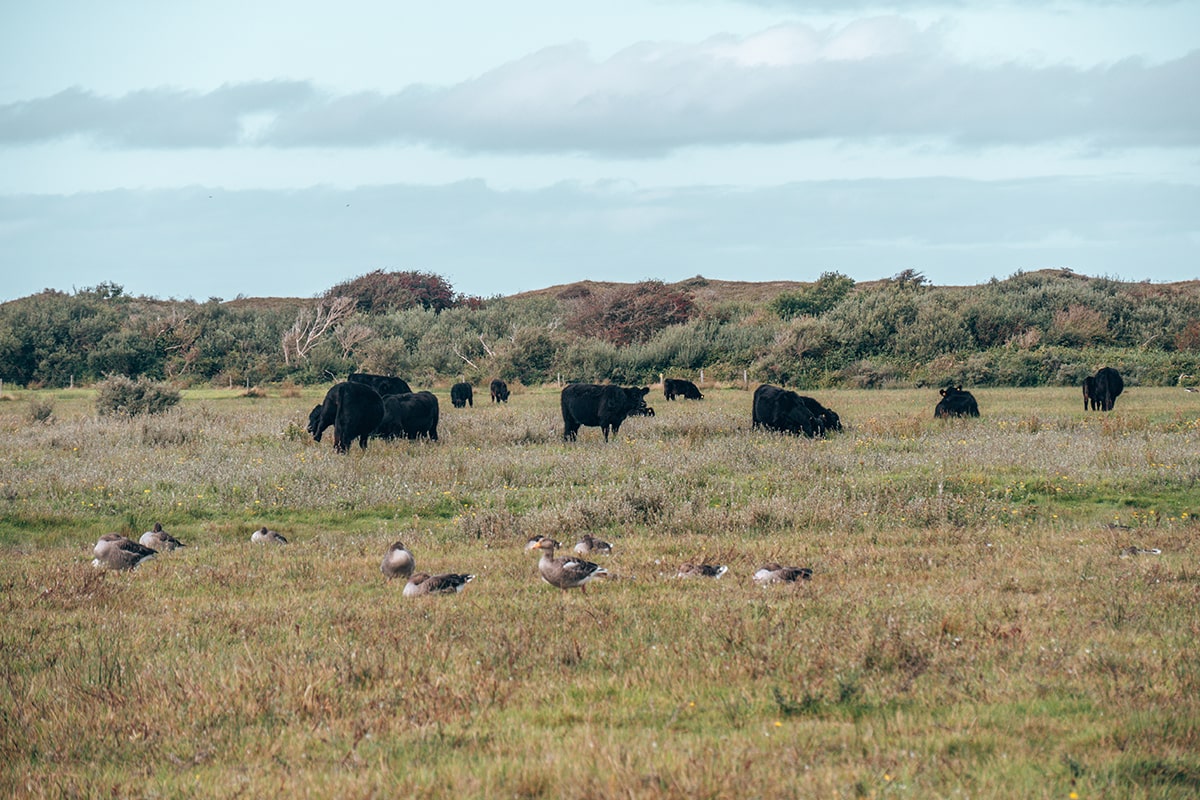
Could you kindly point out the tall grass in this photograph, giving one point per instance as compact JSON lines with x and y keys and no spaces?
{"x":971,"y":627}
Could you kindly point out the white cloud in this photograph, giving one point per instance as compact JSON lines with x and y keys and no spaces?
{"x":875,"y":80}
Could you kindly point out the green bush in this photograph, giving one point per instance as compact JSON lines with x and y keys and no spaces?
{"x":119,"y":395}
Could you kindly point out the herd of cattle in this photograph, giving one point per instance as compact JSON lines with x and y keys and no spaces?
{"x":366,"y":406}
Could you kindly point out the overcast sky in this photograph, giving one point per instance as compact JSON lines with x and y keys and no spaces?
{"x":276,"y":148}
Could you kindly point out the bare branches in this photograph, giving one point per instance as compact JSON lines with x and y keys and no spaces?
{"x":313,"y":323}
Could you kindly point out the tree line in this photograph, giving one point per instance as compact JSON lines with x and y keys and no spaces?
{"x":1039,"y":328}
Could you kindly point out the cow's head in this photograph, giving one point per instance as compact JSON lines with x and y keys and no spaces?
{"x":635,"y":399}
{"x":314,"y":422}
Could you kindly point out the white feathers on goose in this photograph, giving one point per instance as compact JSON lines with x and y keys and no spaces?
{"x":397,"y":562}
{"x":263,"y":535}
{"x":777,"y":573}
{"x":114,"y":551}
{"x":159,"y":539}
{"x":565,"y":572}
{"x":446,"y":583}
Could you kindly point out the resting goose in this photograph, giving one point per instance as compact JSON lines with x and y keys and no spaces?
{"x":533,"y":543}
{"x":159,"y":539}
{"x":590,"y":544}
{"x":263,"y":535}
{"x":565,"y":572}
{"x":397,"y":562}
{"x":448,"y":583}
{"x":777,"y":573}
{"x":114,"y":551}
{"x":701,"y":570}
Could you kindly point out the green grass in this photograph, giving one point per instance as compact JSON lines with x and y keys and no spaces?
{"x":971,"y":628}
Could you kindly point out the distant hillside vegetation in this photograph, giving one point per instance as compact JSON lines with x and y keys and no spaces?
{"x":1047,"y":327}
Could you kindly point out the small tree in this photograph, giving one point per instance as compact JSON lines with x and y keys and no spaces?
{"x":827,"y":292}
{"x":631,"y":314}
{"x":311,"y":324}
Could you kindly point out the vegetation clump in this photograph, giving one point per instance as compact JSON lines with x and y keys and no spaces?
{"x":121,"y":396}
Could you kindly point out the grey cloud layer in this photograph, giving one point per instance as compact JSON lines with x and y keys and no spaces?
{"x":204,"y":242}
{"x":881,"y":81}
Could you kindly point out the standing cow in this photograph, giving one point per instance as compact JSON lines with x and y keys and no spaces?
{"x":595,"y":405}
{"x":1100,"y":390}
{"x":353,"y":409}
{"x":462,"y":395}
{"x":409,"y":415}
{"x":956,"y":403}
{"x":777,"y":409}
{"x":678,"y":387}
{"x":499,"y":391}
{"x":384,"y":384}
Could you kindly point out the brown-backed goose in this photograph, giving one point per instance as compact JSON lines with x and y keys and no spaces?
{"x":397,"y":562}
{"x":565,"y":572}
{"x":590,"y":544}
{"x":777,"y":573}
{"x":701,"y":570}
{"x":446,"y":583}
{"x":159,"y":539}
{"x":265,"y":536}
{"x":114,"y":551}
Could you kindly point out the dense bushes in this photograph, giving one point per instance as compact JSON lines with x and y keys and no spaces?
{"x":121,"y":396}
{"x":1030,"y":329}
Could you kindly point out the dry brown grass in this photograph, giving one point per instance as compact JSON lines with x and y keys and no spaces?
{"x":971,"y":628}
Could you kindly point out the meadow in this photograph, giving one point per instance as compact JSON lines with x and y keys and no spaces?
{"x":972,"y":628}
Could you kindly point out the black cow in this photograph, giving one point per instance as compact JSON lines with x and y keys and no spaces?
{"x":677,"y":387}
{"x":1101,"y":389}
{"x":1090,"y":401}
{"x":384,"y":384}
{"x":782,"y":410}
{"x":595,"y":405}
{"x":829,"y":420}
{"x":956,"y":403}
{"x":461,"y":395}
{"x":499,"y":391}
{"x":353,"y":409}
{"x":409,"y":415}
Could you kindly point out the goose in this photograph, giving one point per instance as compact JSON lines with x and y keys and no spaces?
{"x":533,"y":543}
{"x":423,"y":583}
{"x":159,"y":539}
{"x":397,"y":562}
{"x":264,"y":535}
{"x":1134,"y":550}
{"x":590,"y":544}
{"x":565,"y":572}
{"x":701,"y":570}
{"x":777,"y":573}
{"x":114,"y":551}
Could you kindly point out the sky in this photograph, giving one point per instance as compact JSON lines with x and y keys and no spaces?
{"x":279,"y":147}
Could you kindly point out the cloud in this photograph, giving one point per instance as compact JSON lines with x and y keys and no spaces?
{"x":208,"y":242}
{"x":152,"y":118}
{"x":880,"y":80}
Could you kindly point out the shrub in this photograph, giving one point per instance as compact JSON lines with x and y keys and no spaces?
{"x":41,"y":409}
{"x":121,"y":396}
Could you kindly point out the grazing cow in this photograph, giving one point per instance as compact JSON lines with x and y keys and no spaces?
{"x":461,"y":395}
{"x":677,"y":387}
{"x":384,"y":384}
{"x":1105,"y":385}
{"x":956,"y":403}
{"x":499,"y":391}
{"x":782,"y":410}
{"x":829,"y":420}
{"x":409,"y":415}
{"x":353,"y":409}
{"x":595,"y":405}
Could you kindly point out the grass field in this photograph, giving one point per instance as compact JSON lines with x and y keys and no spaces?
{"x":971,"y":629}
